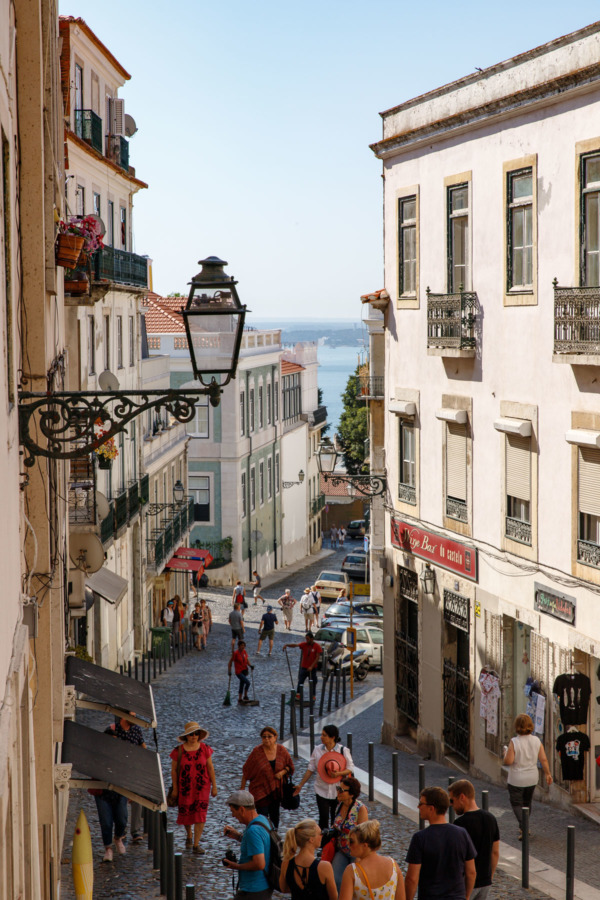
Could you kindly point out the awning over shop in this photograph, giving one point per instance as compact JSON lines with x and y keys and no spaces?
{"x":194,"y":553}
{"x":108,"y":584}
{"x":110,"y":691}
{"x":113,"y":764}
{"x":185,"y":565}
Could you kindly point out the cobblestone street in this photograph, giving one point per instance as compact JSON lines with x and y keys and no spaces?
{"x":194,"y":689}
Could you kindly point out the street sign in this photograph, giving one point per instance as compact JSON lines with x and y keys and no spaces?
{"x":362,"y":590}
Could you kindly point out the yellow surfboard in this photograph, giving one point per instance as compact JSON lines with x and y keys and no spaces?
{"x":82,"y":860}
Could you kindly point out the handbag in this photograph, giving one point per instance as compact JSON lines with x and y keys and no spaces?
{"x":363,"y":875}
{"x":171,"y":800}
{"x":288,"y":800}
{"x":328,"y":851}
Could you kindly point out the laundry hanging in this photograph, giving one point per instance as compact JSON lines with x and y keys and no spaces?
{"x":572,"y":747}
{"x":490,"y":694}
{"x":573,"y":691}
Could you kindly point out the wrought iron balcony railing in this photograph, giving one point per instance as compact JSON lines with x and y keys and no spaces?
{"x":319,"y":415}
{"x":370,"y":387}
{"x":577,"y":320}
{"x":133,"y":495}
{"x":144,"y":490}
{"x":451,"y":320}
{"x":88,"y":127}
{"x":588,"y":553}
{"x":518,"y":530}
{"x":117,"y":150}
{"x":164,"y":541}
{"x":107,"y":526}
{"x":317,"y":505}
{"x":82,"y":492}
{"x":407,"y":493}
{"x":121,"y":510}
{"x":456,"y":509}
{"x":120,"y":267}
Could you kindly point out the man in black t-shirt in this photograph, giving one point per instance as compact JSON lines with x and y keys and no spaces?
{"x":441,"y":858}
{"x":483,"y":831}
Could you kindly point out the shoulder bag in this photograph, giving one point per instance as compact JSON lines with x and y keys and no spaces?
{"x":171,"y":800}
{"x":288,"y":801}
{"x":363,"y":875}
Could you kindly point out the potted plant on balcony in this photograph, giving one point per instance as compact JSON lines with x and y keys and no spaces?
{"x":77,"y":239}
{"x":107,"y":451}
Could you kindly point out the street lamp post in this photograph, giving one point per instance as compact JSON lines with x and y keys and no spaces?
{"x":289,"y":484}
{"x":72,"y":424}
{"x":367,"y":485}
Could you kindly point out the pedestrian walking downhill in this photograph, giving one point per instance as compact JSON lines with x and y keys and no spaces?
{"x":236,"y":623}
{"x":197,"y":623}
{"x":193,"y":778}
{"x":483,"y":831}
{"x":350,"y":812}
{"x":266,"y":629}
{"x":307,"y":607}
{"x":255,"y":848}
{"x":256,"y":588}
{"x":112,"y":813}
{"x":206,"y":621}
{"x":241,"y":664}
{"x":334,"y":537}
{"x":287,"y":604}
{"x":239,"y":595}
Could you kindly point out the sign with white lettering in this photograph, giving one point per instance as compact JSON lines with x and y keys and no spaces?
{"x":435,"y":549}
{"x":560,"y":606}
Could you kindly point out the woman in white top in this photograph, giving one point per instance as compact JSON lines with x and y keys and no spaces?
{"x":326,"y":793}
{"x":522,"y":755}
{"x":371,"y":876}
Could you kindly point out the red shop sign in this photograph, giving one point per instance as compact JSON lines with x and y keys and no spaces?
{"x":435,"y":549}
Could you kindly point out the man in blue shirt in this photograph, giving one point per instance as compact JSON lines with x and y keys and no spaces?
{"x":266,"y":629}
{"x":255,"y":849}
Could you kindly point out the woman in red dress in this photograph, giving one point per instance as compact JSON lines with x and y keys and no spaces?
{"x":192,"y":784}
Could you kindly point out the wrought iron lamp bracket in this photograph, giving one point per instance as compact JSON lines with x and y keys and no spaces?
{"x":367,"y":485}
{"x":64,"y":424}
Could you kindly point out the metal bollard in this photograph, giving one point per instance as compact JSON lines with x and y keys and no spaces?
{"x":311,"y":720}
{"x":154,"y":664}
{"x":129,"y":668}
{"x":150,"y":826}
{"x":344,"y":687}
{"x":170,"y":866}
{"x":190,"y":892}
{"x":178,"y":876}
{"x":292,"y":710}
{"x":451,"y":813}
{"x":323,"y":689}
{"x":485,"y":800}
{"x":282,"y":718}
{"x":149,"y":672}
{"x":311,"y":703}
{"x":421,"y":789}
{"x":143,"y":667}
{"x":371,"y":772}
{"x":570,"y":887}
{"x":349,"y":741}
{"x":120,"y":670}
{"x":330,"y":695}
{"x":163,"y":860}
{"x":337,"y":688}
{"x":136,"y":669}
{"x":294,"y":729}
{"x":156,"y":829}
{"x":394,"y":784}
{"x":302,"y":705}
{"x":525,"y":849}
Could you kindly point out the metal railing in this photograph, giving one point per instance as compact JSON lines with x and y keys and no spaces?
{"x":121,"y":509}
{"x":107,"y":526}
{"x":456,"y":509}
{"x":88,"y":127}
{"x":576,"y":320}
{"x":451,"y":320}
{"x":317,"y":505}
{"x":319,"y":415}
{"x":165,"y":540}
{"x":588,"y":553}
{"x":371,"y":386}
{"x":117,"y":150}
{"x":133,"y":494}
{"x":82,"y":492}
{"x":407,"y":493}
{"x":120,"y":267}
{"x":518,"y":530}
{"x":144,"y":490}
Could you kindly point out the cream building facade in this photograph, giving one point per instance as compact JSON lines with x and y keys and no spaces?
{"x":492,"y":407}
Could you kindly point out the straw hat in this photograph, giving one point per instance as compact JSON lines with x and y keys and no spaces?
{"x":330,"y":765}
{"x":190,"y":727}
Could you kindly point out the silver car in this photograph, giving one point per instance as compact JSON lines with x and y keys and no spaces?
{"x":368,"y":638}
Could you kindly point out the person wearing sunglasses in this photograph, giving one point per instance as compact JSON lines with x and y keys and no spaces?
{"x":193,"y":774}
{"x":350,"y":812}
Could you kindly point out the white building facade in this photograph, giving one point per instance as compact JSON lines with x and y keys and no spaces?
{"x":492,"y":405}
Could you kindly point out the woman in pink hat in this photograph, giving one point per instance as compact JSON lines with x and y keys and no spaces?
{"x":331,"y":761}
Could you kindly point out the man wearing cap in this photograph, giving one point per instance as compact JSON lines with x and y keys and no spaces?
{"x":255,"y":848}
{"x":266,"y":629}
{"x":308,"y":663}
{"x":166,"y":616}
{"x":287,"y":604}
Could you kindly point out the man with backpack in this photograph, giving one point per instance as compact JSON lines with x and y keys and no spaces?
{"x":260,"y":850}
{"x":307,"y":607}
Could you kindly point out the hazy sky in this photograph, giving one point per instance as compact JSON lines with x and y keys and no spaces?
{"x":255,"y":119}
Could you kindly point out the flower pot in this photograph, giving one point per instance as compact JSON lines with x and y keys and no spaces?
{"x":104,"y":462}
{"x":76,"y":282}
{"x":68,"y":248}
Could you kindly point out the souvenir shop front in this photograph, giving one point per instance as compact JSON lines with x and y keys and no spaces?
{"x":529,"y":667}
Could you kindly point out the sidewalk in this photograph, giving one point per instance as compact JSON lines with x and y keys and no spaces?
{"x":280,"y":575}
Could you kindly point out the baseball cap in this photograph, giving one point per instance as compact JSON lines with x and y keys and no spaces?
{"x":241,"y":798}
{"x":269,"y":608}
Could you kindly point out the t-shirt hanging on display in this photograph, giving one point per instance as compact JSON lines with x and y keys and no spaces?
{"x":573,"y":692}
{"x":572,"y":746}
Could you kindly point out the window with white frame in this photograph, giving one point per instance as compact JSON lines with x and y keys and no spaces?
{"x":252,"y":489}
{"x":269,"y":477}
{"x":80,"y":200}
{"x":106,"y":337}
{"x":120,"y":342}
{"x":590,"y":220}
{"x":458,"y":238}
{"x":456,"y":471}
{"x":407,"y":246}
{"x":588,"y":503}
{"x":276,"y":402}
{"x":519,"y":222}
{"x":131,"y":340}
{"x":199,"y":425}
{"x":518,"y":488}
{"x":407,"y":485}
{"x":251,"y":410}
{"x":261,"y":482}
{"x":199,"y":488}
{"x":261,"y":407}
{"x":244,"y":498}
{"x":277,"y":473}
{"x":242,"y":413}
{"x":110,"y":224}
{"x":91,"y":345}
{"x":269,"y":403}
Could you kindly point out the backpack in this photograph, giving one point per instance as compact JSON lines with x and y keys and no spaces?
{"x":306,"y":604}
{"x":273,"y":870}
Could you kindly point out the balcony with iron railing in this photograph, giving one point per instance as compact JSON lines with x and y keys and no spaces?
{"x":407,"y":493}
{"x":317,"y":505}
{"x":88,"y":127}
{"x":370,"y":387}
{"x":107,"y":526}
{"x":120,"y":267}
{"x":144,"y":490}
{"x":117,"y":150}
{"x":588,"y":553}
{"x":518,"y":530}
{"x":133,"y":499}
{"x":166,"y":538}
{"x":576,"y":324}
{"x":82,"y":493}
{"x":451,"y":323}
{"x":121,"y":501}
{"x":457,"y":509}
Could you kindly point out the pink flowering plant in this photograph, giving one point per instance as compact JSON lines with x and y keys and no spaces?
{"x":87,"y":227}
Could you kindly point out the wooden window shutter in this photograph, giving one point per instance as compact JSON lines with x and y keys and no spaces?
{"x":518,"y":466}
{"x":456,"y":461}
{"x":589,"y":481}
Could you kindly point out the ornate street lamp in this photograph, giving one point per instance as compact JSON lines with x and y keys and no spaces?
{"x":71,"y":424}
{"x":289,"y":484}
{"x":178,"y":497}
{"x":367,"y":485}
{"x":428,"y":579}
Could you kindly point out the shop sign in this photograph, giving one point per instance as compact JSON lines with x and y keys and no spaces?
{"x":560,"y":606}
{"x":435,"y":549}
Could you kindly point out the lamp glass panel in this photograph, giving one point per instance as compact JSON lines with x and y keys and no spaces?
{"x":213,"y":338}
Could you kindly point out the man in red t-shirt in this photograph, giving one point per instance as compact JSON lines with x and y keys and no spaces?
{"x":308,"y":663}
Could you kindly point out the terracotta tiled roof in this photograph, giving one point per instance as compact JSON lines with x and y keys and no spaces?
{"x":338,"y":490}
{"x":375,"y":295}
{"x":287,"y":367}
{"x":162,"y":316}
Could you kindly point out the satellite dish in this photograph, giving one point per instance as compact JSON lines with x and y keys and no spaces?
{"x":130,"y":126}
{"x":100,"y":226}
{"x":107,"y":381}
{"x":86,"y":552}
{"x":256,"y":536}
{"x":102,"y":505}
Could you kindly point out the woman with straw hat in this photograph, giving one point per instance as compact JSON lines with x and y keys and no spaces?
{"x":192,"y":774}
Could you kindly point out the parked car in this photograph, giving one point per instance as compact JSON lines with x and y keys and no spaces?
{"x":361,"y":609}
{"x":356,"y":529}
{"x":329,"y":584}
{"x":368,"y":638}
{"x":355,"y":565}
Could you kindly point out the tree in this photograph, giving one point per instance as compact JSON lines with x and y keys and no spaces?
{"x":353,"y":428}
